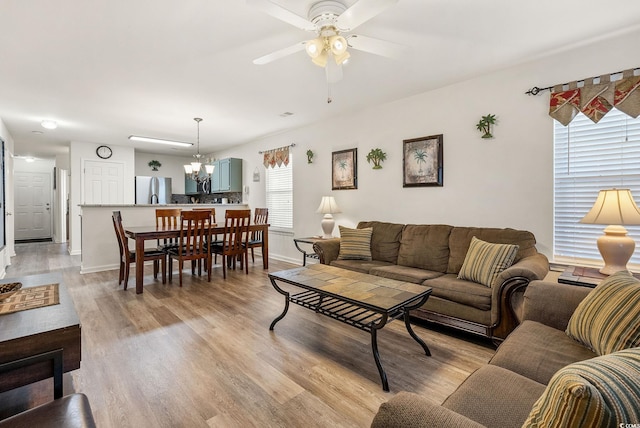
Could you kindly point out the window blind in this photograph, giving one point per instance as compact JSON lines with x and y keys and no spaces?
{"x":590,"y":157}
{"x":279,"y":195}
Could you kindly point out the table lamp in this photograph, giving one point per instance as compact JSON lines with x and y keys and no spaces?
{"x":327,"y":207}
{"x":614,"y":207}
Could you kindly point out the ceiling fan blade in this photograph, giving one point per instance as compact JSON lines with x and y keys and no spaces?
{"x":266,"y":59}
{"x":360,"y":12}
{"x":333,"y":71}
{"x":282,"y":14}
{"x":376,"y":46}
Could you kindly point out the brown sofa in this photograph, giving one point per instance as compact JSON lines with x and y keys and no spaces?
{"x":503,"y":393}
{"x":432,"y":255}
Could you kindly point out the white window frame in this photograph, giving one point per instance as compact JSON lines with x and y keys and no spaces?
{"x":589,"y":157}
{"x":279,"y":196}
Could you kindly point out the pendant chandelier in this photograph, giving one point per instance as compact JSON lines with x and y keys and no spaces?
{"x":192,"y":170}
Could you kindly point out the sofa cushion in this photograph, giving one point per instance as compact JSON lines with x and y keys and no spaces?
{"x":362,"y":266}
{"x":468,"y":293}
{"x":600,"y":392}
{"x":385,"y":240}
{"x":425,"y":247}
{"x":608,"y":319}
{"x":537,"y":351}
{"x":355,"y":244}
{"x":495,"y":397}
{"x":405,"y":273}
{"x":460,"y":239}
{"x":484,"y":261}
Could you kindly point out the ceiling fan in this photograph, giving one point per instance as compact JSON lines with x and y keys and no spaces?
{"x":331,"y":20}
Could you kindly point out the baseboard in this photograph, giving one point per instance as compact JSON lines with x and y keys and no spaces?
{"x":102,"y":268}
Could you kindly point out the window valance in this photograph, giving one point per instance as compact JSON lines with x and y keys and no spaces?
{"x":274,"y":157}
{"x":595,"y":97}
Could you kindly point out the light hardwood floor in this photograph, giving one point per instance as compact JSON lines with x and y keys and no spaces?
{"x":202,"y":355}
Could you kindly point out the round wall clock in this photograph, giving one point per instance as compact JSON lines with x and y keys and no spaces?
{"x":104,"y":152}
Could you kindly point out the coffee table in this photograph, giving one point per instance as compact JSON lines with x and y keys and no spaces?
{"x":364,"y":301}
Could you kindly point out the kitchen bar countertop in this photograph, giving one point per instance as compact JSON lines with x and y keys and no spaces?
{"x":157,"y":205}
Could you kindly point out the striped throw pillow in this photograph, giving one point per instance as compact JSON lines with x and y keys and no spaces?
{"x":608,"y":319}
{"x":484,"y":261}
{"x":355,"y":244}
{"x":600,"y":392}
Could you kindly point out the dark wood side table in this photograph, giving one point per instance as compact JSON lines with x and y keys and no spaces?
{"x":39,"y":330}
{"x":305,"y":254}
{"x":583,"y":276}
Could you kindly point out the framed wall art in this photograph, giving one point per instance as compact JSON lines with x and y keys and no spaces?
{"x":422,"y":161}
{"x":344,"y":169}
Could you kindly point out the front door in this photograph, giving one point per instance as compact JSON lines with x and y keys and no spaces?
{"x":32,"y":205}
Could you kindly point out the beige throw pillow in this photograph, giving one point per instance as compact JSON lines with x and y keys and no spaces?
{"x":484,"y":261}
{"x":355,"y":244}
{"x":608,"y":319}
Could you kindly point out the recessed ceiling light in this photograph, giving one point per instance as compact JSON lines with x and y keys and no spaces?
{"x":159,"y":141}
{"x":49,"y":124}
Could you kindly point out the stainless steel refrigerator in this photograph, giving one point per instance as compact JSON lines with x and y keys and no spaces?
{"x":153,"y":190}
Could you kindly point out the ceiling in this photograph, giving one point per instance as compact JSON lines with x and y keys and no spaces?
{"x":107,"y":69}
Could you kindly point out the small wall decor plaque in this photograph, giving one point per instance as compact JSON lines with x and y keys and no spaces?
{"x":309,"y":156}
{"x":377,"y":156}
{"x":484,"y":125}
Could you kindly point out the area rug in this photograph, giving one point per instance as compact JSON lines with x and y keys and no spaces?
{"x":30,"y":298}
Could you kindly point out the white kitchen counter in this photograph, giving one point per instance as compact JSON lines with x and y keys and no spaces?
{"x":99,"y":245}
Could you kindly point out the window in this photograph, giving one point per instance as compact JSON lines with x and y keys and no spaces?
{"x":279,"y":194}
{"x":590,"y":157}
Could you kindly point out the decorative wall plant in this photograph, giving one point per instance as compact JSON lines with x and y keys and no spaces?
{"x":154,"y":164}
{"x":484,"y":125}
{"x":309,"y":156}
{"x":377,"y":156}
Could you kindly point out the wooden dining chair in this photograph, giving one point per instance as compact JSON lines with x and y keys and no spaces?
{"x":260,"y":216}
{"x":194,"y":243}
{"x":128,"y":256}
{"x":167,"y":217}
{"x":234,"y":240}
{"x":214,"y":238}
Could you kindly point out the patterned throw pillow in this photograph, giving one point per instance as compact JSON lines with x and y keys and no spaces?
{"x":484,"y":261}
{"x":608,"y":319}
{"x":600,"y":392}
{"x":355,"y":244}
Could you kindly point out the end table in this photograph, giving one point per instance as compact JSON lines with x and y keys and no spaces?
{"x":305,"y":254}
{"x":583,"y":276}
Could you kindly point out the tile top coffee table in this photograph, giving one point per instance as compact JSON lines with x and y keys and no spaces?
{"x":364,"y":301}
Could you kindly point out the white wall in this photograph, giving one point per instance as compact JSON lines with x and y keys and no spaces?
{"x":8,"y":251}
{"x":172,"y":166}
{"x":503,"y":182}
{"x":78,"y":153}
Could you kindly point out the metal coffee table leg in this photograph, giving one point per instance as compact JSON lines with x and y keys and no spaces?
{"x":376,"y":355}
{"x":413,"y":334}
{"x":286,"y":304}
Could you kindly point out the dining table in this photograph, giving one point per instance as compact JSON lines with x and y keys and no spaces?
{"x":145,"y":233}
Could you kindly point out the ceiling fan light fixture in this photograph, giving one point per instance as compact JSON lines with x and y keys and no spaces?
{"x":321,"y":60}
{"x":338,"y":44}
{"x":315,"y":47}
{"x":342,"y":58}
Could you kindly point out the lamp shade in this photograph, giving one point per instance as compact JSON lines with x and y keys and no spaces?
{"x":328,"y":206}
{"x":613,"y":206}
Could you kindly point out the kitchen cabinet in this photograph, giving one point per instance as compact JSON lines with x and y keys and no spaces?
{"x":227,"y":176}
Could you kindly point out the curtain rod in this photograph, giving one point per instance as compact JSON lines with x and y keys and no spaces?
{"x":290,"y":145}
{"x":536,"y":90}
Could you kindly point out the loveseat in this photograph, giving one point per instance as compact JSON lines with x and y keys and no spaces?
{"x":433,"y":255}
{"x":541,"y":376}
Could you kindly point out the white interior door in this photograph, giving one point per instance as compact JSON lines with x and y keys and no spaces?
{"x":103,"y":182}
{"x":32,"y":205}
